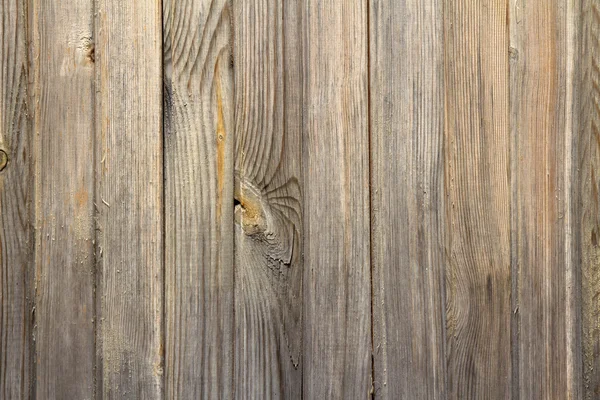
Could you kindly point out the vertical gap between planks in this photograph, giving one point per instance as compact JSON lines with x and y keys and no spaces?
{"x":97,"y":249}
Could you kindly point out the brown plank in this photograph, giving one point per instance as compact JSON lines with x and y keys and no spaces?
{"x":542,"y":47}
{"x":129,"y":193}
{"x":198,"y":110}
{"x":337,"y":312}
{"x":477,"y":165}
{"x":16,"y":201}
{"x":588,"y":181}
{"x":407,"y":192}
{"x":268,"y":178}
{"x":64,"y":136}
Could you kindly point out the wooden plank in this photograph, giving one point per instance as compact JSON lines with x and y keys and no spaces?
{"x":588,"y":181}
{"x":407,"y":192}
{"x":477,"y":182}
{"x":64,"y":136}
{"x":198,"y":109}
{"x":16,"y":200}
{"x":268,"y":214}
{"x":543,"y":42}
{"x":337,"y":295}
{"x":129,"y":190}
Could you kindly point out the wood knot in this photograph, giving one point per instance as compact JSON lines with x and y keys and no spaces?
{"x":3,"y":160}
{"x":249,"y":208}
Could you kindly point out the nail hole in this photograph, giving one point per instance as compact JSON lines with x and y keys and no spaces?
{"x":3,"y":160}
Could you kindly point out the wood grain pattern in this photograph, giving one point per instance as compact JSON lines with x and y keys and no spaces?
{"x":477,"y":165}
{"x":129,"y":190}
{"x":64,"y":153}
{"x":198,"y":110}
{"x":337,"y":315}
{"x":407,"y":192}
{"x":268,"y":214}
{"x":542,"y":40}
{"x":16,"y":200}
{"x":588,"y":180}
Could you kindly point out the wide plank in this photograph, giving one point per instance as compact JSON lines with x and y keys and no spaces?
{"x":129,"y":194}
{"x":407,"y":197}
{"x":543,"y":38}
{"x":268,"y":193}
{"x":198,"y":128}
{"x":337,"y":290}
{"x":477,"y":203}
{"x":16,"y":205}
{"x":63,"y":50}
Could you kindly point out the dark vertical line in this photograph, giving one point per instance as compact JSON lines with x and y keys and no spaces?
{"x":233,"y":150}
{"x":96,"y":315}
{"x":370,"y":149}
{"x":162,"y":345}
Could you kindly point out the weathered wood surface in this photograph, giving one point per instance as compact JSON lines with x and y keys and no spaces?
{"x":407,"y":183}
{"x":337,"y":312}
{"x":129,"y":194}
{"x":198,"y":123}
{"x":268,"y":213}
{"x":16,"y":200}
{"x":63,"y":69}
{"x":477,"y":201}
{"x":323,"y":199}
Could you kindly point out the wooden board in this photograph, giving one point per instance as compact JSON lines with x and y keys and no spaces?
{"x":268,"y":192}
{"x":16,"y":204}
{"x":542,"y":47}
{"x":198,"y":110}
{"x":407,"y":192}
{"x":64,"y":153}
{"x":588,"y":182}
{"x":337,"y":294}
{"x":477,"y":202}
{"x":129,"y":193}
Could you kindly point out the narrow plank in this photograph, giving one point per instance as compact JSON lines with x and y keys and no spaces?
{"x":337,"y":295}
{"x":64,"y":153}
{"x":543,"y":43}
{"x":407,"y":197}
{"x":477,"y":182}
{"x":198,"y":110}
{"x":16,"y":201}
{"x":129,"y":190}
{"x":268,"y":213}
{"x":589,"y":184}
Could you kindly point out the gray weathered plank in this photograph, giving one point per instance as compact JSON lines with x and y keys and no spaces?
{"x":477,"y":182}
{"x":198,"y":109}
{"x":16,"y":201}
{"x":589,"y":183}
{"x":64,"y":153}
{"x":129,"y":193}
{"x":543,"y":38}
{"x":407,"y":192}
{"x":268,"y":168}
{"x":337,"y":314}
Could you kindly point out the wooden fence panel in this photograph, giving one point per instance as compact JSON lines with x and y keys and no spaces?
{"x":477,"y":201}
{"x":129,"y":193}
{"x":198,"y":109}
{"x":407,"y":192}
{"x":268,"y":212}
{"x":16,"y":200}
{"x":63,"y":69}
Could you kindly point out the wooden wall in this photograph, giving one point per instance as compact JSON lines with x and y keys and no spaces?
{"x":319,"y":199}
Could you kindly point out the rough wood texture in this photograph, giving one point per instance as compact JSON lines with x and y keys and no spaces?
{"x":268,"y":214}
{"x":337,"y":296}
{"x":589,"y":184}
{"x":16,"y":199}
{"x":129,"y":193}
{"x":407,"y":114}
{"x":477,"y":183}
{"x":542,"y":40}
{"x":64,"y":154}
{"x":198,"y":107}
